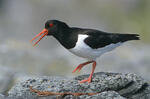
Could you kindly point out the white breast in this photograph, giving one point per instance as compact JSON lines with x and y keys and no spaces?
{"x":83,"y":50}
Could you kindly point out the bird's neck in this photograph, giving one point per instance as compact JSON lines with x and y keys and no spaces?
{"x":66,"y":38}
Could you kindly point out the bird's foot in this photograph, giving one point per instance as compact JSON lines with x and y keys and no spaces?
{"x":86,"y":80}
{"x":78,"y":68}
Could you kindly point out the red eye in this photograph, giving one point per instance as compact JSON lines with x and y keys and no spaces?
{"x":51,"y":24}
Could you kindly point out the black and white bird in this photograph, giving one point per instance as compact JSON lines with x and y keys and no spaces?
{"x":86,"y":43}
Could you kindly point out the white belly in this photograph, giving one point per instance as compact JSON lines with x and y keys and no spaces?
{"x":83,"y":50}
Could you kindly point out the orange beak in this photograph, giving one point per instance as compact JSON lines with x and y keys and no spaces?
{"x":42,"y":34}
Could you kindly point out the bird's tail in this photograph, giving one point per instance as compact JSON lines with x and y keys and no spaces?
{"x":128,"y":37}
{"x":132,"y":36}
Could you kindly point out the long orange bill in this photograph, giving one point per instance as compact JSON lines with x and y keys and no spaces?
{"x":43,"y":33}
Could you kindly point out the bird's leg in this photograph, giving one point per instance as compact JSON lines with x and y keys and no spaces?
{"x":90,"y":77}
{"x":79,"y":67}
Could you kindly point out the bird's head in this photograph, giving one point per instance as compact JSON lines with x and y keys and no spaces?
{"x":52,"y":28}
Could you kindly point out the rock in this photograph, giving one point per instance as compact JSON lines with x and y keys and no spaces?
{"x":104,"y":85}
{"x":102,"y":95}
{"x":6,"y":79}
{"x":2,"y":96}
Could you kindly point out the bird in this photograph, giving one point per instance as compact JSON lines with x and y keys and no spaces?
{"x":83,"y":42}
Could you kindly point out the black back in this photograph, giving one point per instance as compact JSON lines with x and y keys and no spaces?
{"x":98,"y":39}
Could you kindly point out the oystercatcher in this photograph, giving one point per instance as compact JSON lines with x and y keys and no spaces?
{"x":86,"y":43}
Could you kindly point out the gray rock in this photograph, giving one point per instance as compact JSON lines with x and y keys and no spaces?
{"x":102,"y":95}
{"x":107,"y":85}
{"x":6,"y":79}
{"x":2,"y":96}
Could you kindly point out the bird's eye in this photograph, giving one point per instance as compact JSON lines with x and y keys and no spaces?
{"x":51,"y":24}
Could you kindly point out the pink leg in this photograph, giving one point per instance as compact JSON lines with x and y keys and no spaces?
{"x":90,"y":77}
{"x":79,"y":67}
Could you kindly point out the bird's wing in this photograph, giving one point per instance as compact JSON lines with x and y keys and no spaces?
{"x":99,"y":39}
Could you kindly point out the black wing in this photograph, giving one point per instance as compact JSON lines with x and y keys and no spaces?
{"x":99,"y":39}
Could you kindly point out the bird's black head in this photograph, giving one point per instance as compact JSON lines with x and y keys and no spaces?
{"x":52,"y":27}
{"x":55,"y":26}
